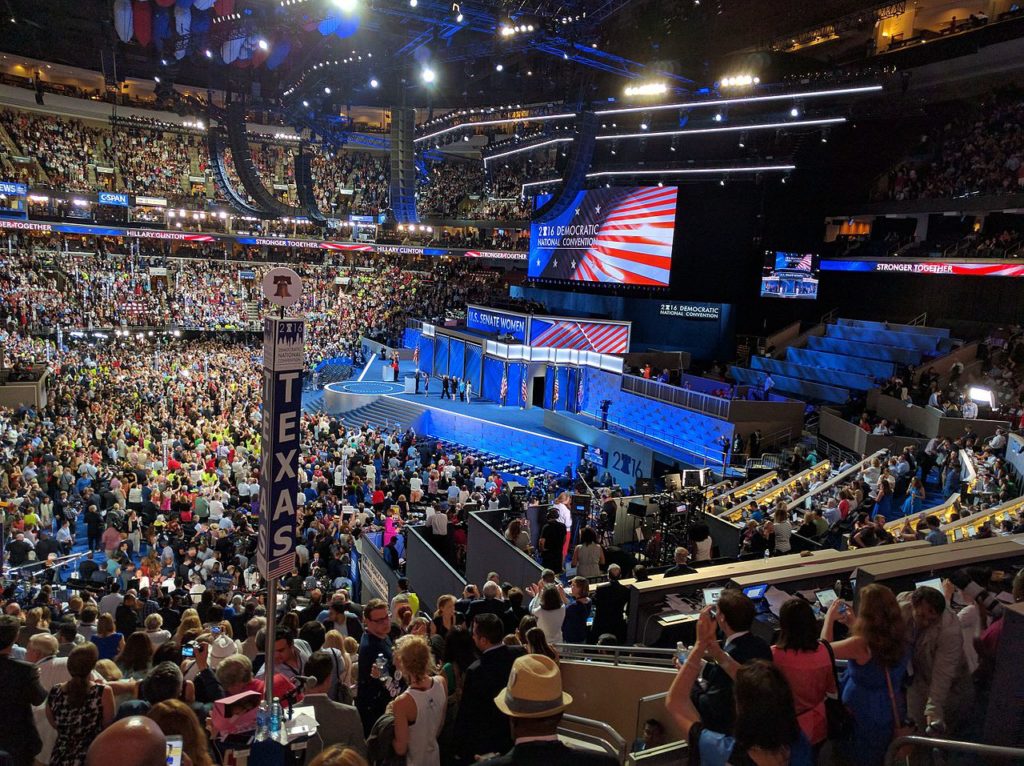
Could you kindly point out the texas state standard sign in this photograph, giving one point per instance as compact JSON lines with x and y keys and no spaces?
{"x":279,"y":460}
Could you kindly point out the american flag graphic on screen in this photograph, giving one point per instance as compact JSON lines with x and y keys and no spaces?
{"x":602,"y":337}
{"x":617,"y":236}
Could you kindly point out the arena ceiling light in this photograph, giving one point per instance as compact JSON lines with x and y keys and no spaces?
{"x":506,"y":121}
{"x":374,"y":83}
{"x":694,"y":171}
{"x":428,"y":75}
{"x":346,"y":6}
{"x":717,"y":103}
{"x":529,"y":148}
{"x":646,"y":89}
{"x":728,"y":128}
{"x":739,"y":81}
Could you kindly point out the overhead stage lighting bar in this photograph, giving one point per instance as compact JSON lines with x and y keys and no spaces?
{"x":695,"y":171}
{"x":747,"y":100}
{"x":506,"y":121}
{"x":728,"y":129}
{"x":529,"y":148}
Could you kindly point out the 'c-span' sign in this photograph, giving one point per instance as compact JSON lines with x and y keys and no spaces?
{"x":279,"y":459}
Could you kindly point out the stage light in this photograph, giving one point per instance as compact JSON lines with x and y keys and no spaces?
{"x":980,"y":395}
{"x":643,"y":126}
{"x":264,"y":45}
{"x":428,"y":75}
{"x":718,"y":116}
{"x":794,"y":112}
{"x":345,"y":6}
{"x":646,"y":89}
{"x":459,"y":18}
{"x":156,"y":80}
{"x":327,"y":91}
{"x":374,"y":83}
{"x":209,"y":53}
{"x":500,"y":67}
{"x":305,"y":104}
{"x":414,"y":3}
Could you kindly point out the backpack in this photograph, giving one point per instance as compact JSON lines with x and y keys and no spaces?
{"x":380,"y":750}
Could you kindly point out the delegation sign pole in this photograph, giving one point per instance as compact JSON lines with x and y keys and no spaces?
{"x":283,"y":358}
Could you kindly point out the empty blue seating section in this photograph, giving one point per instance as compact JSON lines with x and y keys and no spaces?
{"x":831,"y":345}
{"x":841,"y":362}
{"x":852,"y":355}
{"x":801,"y":389}
{"x":839,"y":378}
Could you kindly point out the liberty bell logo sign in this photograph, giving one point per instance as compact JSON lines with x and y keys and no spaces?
{"x":282,"y":286}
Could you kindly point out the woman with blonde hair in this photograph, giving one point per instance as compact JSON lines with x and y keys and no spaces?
{"x":877,"y":654}
{"x":338,"y":755}
{"x":420,"y":710}
{"x":190,"y":623}
{"x":334,"y":643}
{"x":175,"y":718}
{"x":78,"y":709}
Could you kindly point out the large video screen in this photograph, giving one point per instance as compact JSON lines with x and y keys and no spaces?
{"x":615,"y":236}
{"x":789,"y":275}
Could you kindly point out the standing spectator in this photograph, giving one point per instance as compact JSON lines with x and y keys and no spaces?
{"x":610,"y":607}
{"x":482,"y":726}
{"x":735,"y":615}
{"x":419,"y":711}
{"x":807,"y":666}
{"x":548,"y":606}
{"x":534,"y":702}
{"x":940,"y":689}
{"x":588,"y":556}
{"x":176,"y":719}
{"x":79,"y":708}
{"x":19,"y":680}
{"x":551,"y":542}
{"x":108,"y":641}
{"x":877,"y":655}
{"x":373,"y":692}
{"x":339,"y":724}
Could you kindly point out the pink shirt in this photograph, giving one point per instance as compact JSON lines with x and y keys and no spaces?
{"x":810,"y":677}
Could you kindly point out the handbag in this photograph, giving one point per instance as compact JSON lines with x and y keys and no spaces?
{"x":838,"y":716}
{"x":899,"y":728}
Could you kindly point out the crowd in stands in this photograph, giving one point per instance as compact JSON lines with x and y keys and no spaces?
{"x":151,"y":162}
{"x":350,"y":183}
{"x":979,"y":153}
{"x":62,"y":147}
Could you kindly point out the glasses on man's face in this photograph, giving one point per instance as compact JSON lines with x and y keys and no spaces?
{"x":384,"y":618}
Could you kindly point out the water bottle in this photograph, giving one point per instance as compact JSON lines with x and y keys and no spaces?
{"x":262,"y":722}
{"x":382,"y":665}
{"x":275,"y":720}
{"x":767,"y":554}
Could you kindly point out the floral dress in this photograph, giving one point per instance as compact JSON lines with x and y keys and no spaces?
{"x":76,"y":727}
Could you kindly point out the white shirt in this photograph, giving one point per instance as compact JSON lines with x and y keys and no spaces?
{"x":439,"y":524}
{"x":564,"y":515}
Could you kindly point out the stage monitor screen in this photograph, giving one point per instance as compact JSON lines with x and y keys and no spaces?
{"x":789,"y":275}
{"x":611,"y":236}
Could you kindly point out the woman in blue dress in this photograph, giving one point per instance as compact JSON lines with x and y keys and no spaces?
{"x":914,"y":502}
{"x":877,"y":654}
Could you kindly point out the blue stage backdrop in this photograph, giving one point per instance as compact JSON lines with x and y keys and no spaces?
{"x":474,"y":360}
{"x":492,"y":379}
{"x":456,"y":357}
{"x":427,"y":354}
{"x":441,"y":355}
{"x":515,"y":384}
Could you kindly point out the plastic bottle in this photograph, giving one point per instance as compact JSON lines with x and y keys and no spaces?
{"x":275,"y":720}
{"x":382,"y":665}
{"x":262,"y":722}
{"x":767,"y":553}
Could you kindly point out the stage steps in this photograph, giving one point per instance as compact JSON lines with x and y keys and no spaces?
{"x":383,"y":413}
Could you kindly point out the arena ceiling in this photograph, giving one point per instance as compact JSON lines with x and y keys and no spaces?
{"x":480,"y":51}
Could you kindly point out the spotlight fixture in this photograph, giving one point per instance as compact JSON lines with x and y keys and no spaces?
{"x":327,"y":91}
{"x":794,"y":112}
{"x":500,"y":67}
{"x":209,"y":53}
{"x":739,"y":81}
{"x":263,"y":45}
{"x":458,"y":13}
{"x":413,"y":3}
{"x":428,"y":75}
{"x":345,"y":6}
{"x":718,"y":116}
{"x":647,"y":89}
{"x":156,"y":80}
{"x":305,"y":104}
{"x":374,"y":83}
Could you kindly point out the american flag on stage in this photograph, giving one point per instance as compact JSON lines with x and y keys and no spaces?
{"x":602,"y":337}
{"x":504,"y":385}
{"x":554,"y":394}
{"x":524,"y":389}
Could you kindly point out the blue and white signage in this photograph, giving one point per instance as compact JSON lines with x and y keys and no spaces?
{"x":279,"y":460}
{"x":501,"y":322}
{"x":113,"y":198}
{"x":12,"y":189}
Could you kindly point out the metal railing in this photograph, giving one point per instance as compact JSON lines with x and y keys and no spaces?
{"x":829,"y":317}
{"x":921,"y":320}
{"x":702,"y":452}
{"x":986,"y":752}
{"x":608,"y":740}
{"x":636,"y":656}
{"x":709,"y":404}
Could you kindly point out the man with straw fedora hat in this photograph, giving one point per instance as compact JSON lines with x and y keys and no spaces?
{"x":534,"y":702}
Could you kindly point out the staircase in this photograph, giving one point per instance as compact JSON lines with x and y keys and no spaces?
{"x":252,"y":312}
{"x":385,"y":413}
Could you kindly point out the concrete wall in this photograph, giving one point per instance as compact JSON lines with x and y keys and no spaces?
{"x":627,"y":460}
{"x":15,"y":395}
{"x":927,"y":421}
{"x":429,"y":574}
{"x":488,"y":551}
{"x":591,"y":684}
{"x":850,"y":436}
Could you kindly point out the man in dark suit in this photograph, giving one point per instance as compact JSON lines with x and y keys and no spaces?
{"x":534,"y":702}
{"x":552,"y":542}
{"x":337,"y":724}
{"x":609,"y":607}
{"x":20,"y":682}
{"x":482,"y":727}
{"x":491,"y":603}
{"x":715,"y":701}
{"x":681,"y":556}
{"x":469,"y":594}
